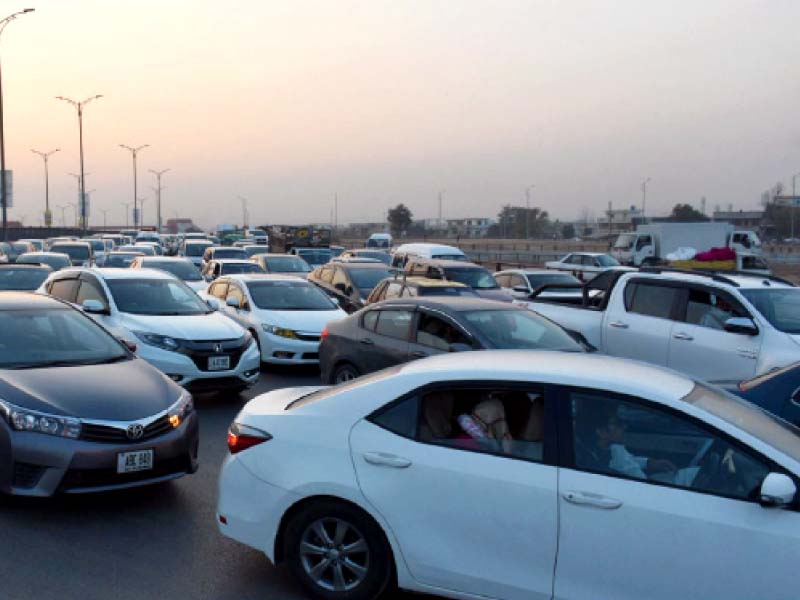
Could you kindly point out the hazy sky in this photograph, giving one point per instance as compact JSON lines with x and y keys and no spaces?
{"x":386,"y":101}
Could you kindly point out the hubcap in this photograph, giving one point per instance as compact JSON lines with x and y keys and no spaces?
{"x":345,"y":374}
{"x":334,"y":554}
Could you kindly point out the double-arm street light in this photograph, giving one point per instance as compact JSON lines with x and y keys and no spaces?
{"x":3,"y":197}
{"x":158,"y":189}
{"x":79,"y":107}
{"x":134,"y":152}
{"x":48,"y":216}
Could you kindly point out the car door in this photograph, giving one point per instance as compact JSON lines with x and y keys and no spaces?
{"x":654,"y":504}
{"x":699,"y":344}
{"x":470,"y":516}
{"x":386,"y":344}
{"x":638,"y":323}
{"x":435,"y":333}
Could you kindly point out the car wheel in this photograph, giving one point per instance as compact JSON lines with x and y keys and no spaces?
{"x":344,"y":372}
{"x":338,"y":552}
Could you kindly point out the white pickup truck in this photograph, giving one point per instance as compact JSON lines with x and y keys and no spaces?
{"x":713,"y":327}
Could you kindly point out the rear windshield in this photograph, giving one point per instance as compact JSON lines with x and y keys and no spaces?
{"x":476,"y":277}
{"x":196,"y":249}
{"x":23,"y":278}
{"x":74,"y":252}
{"x":229,"y":253}
{"x":287,"y":264}
{"x":236,"y":268}
{"x":181,"y":269}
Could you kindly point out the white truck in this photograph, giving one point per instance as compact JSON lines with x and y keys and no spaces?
{"x":713,"y":327}
{"x":650,"y":244}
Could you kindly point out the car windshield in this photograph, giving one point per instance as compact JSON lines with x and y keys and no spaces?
{"x":229,"y":253}
{"x":476,"y":278}
{"x":520,"y":329}
{"x":366,"y":279}
{"x":22,"y":278}
{"x":537,"y":280}
{"x":251,"y":251}
{"x":242,"y":267}
{"x":607,"y":261}
{"x":54,"y":262}
{"x":20,"y":246}
{"x":443,"y":290}
{"x":289,"y":295}
{"x":315,"y":257}
{"x":381,"y":256}
{"x":80,"y":252}
{"x":779,"y":306}
{"x":32,"y":338}
{"x":182,"y":269}
{"x":748,"y":417}
{"x":97,"y":245}
{"x":449,"y":257}
{"x":145,"y":249}
{"x":624,"y":241}
{"x":120,"y":260}
{"x":287,"y":264}
{"x":196,"y":249}
{"x":158,"y":297}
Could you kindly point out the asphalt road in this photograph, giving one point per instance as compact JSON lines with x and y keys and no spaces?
{"x":153,"y":542}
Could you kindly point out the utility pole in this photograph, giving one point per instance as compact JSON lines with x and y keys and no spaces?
{"x":644,"y":198}
{"x":244,"y":211}
{"x":336,"y":211}
{"x":528,"y":211}
{"x":48,"y":216}
{"x":441,"y":193}
{"x":158,"y":175}
{"x":105,"y":212}
{"x":127,"y":213}
{"x":141,"y":213}
{"x":63,"y":208}
{"x":134,"y":152}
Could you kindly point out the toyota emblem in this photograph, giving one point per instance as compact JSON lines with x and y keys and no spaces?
{"x":135,"y":431}
{"x":217,"y":348}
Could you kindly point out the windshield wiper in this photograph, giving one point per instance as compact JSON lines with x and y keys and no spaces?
{"x":61,"y":363}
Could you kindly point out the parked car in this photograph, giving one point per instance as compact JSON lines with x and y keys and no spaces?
{"x":252,"y":249}
{"x":713,"y":327}
{"x":404,"y":252}
{"x":121,"y":259}
{"x":144,"y":249}
{"x":59,"y":430}
{"x":98,"y":250}
{"x":156,"y":246}
{"x":182,"y":268}
{"x":396,"y":331}
{"x":378,"y":255}
{"x":229,"y":266}
{"x":418,"y":477}
{"x":38,"y":245}
{"x":411,"y":287}
{"x":777,"y":391}
{"x":22,"y":277}
{"x":177,"y":332}
{"x":80,"y":253}
{"x":21,"y":247}
{"x":282,"y":264}
{"x":54,"y":260}
{"x":475,"y":276}
{"x":521,"y":283}
{"x":313,"y":256}
{"x":583,"y":265}
{"x":379,"y":240}
{"x":285,"y":314}
{"x":349,"y":283}
{"x":220,"y":252}
{"x":194,"y":249}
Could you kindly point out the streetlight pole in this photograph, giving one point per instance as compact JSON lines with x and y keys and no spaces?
{"x":441,"y":193}
{"x":141,"y":213}
{"x":134,"y":151}
{"x":644,"y":198}
{"x":158,"y":175}
{"x":74,"y":206}
{"x":48,"y":216}
{"x":127,"y":213}
{"x":244,"y":211}
{"x":528,"y":211}
{"x":3,"y":191}
{"x":79,"y":107}
{"x":105,"y":212}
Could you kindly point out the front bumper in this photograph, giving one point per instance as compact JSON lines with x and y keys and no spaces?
{"x":284,"y":351}
{"x":183,"y":370}
{"x":42,"y":465}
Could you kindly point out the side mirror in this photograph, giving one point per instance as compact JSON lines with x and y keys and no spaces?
{"x":741,"y":325}
{"x":93,"y":307}
{"x":129,"y":344}
{"x":213,"y":303}
{"x":521,"y":289}
{"x":341,"y":287}
{"x":233,"y":302}
{"x":777,"y":490}
{"x":459,"y":348}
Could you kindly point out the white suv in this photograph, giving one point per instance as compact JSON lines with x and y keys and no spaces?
{"x":173,"y":328}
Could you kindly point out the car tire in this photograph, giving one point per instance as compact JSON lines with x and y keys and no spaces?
{"x":316,"y":550}
{"x":344,"y":372}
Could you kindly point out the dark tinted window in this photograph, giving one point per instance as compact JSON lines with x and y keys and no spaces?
{"x":366,"y":279}
{"x":289,"y":295}
{"x":649,"y":299}
{"x":229,"y":253}
{"x":182,"y":269}
{"x":401,"y":418}
{"x":22,"y":278}
{"x":394,"y":323}
{"x":64,"y":289}
{"x":710,"y":309}
{"x":234,"y":268}
{"x":438,"y":333}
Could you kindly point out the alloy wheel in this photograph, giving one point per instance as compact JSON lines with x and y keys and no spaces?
{"x":334,"y":554}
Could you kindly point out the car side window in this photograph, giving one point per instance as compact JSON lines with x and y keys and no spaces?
{"x":623,"y":438}
{"x":66,"y":289}
{"x":502,"y":280}
{"x":437,"y":333}
{"x":394,"y":323}
{"x":518,"y":281}
{"x":711,"y":309}
{"x":234,"y":291}
{"x":393,"y":290}
{"x":370,"y":319}
{"x":89,"y":290}
{"x":642,"y":242}
{"x":340,"y":277}
{"x":650,"y":299}
{"x":590,"y":261}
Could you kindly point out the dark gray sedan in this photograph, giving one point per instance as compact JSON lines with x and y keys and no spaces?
{"x":396,"y":331}
{"x":79,"y":412}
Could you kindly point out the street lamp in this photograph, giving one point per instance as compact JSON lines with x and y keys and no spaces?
{"x":134,"y":151}
{"x":3,"y":196}
{"x":158,"y":175}
{"x":48,"y":216}
{"x":79,"y":107}
{"x":528,"y":211}
{"x":644,"y":198}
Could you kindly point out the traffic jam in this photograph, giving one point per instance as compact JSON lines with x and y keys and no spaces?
{"x":620,"y":425}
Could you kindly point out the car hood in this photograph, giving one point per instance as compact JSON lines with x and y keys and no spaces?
{"x":497,"y":294}
{"x":311,"y":321}
{"x":212,"y":326}
{"x":122,"y":391}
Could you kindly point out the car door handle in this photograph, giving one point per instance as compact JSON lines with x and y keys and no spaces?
{"x":618,"y":324}
{"x":747,"y":353}
{"x":683,"y":336}
{"x":367,"y":342}
{"x":590,"y":499}
{"x":382,"y":459}
{"x":419,"y":354}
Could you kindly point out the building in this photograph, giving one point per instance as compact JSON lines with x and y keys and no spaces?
{"x":619,"y":220}
{"x":470,"y":227}
{"x":363,"y":230}
{"x":180,"y":226}
{"x":741,"y":219}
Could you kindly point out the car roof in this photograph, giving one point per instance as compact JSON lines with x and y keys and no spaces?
{"x":233,"y":261}
{"x":275,"y":255}
{"x":23,"y":300}
{"x":440,"y":262}
{"x":37,"y":254}
{"x":740,"y":281}
{"x":431,"y":247}
{"x":452,"y":303}
{"x":71,"y":243}
{"x":250,"y":277}
{"x":161,"y":259}
{"x":117,"y":273}
{"x":427,"y":282}
{"x":24,"y":265}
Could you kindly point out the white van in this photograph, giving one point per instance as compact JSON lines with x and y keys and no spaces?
{"x":442,"y":252}
{"x":379,"y":240}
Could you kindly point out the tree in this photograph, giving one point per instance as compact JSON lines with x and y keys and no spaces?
{"x":517,"y":221}
{"x":568,"y":231}
{"x":399,"y":219}
{"x":686,"y":213}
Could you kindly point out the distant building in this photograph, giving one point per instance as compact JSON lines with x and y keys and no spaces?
{"x":181,"y":226}
{"x":364,"y":230}
{"x":471,"y":227}
{"x":619,"y":220}
{"x":741,"y":219}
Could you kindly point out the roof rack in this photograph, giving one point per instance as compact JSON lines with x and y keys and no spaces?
{"x":715,"y":275}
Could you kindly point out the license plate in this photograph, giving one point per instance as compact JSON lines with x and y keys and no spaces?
{"x":130,"y":462}
{"x":219,"y":363}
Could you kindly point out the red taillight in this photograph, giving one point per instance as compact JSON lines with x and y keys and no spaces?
{"x":242,"y":437}
{"x":324,"y":333}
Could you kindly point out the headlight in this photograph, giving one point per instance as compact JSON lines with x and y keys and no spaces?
{"x":181,"y":409}
{"x":159,"y":341}
{"x":279,"y":331}
{"x":23,"y":419}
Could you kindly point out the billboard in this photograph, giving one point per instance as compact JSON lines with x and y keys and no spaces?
{"x":9,"y":177}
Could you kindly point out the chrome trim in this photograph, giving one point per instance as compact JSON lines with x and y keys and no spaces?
{"x":123,"y":425}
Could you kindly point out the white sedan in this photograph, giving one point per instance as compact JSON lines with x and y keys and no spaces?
{"x":514,"y":474}
{"x":285,"y":314}
{"x":584,"y":265}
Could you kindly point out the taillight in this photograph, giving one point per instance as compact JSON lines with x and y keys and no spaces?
{"x":241,"y":437}
{"x":324,"y":333}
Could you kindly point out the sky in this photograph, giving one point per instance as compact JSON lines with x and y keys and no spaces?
{"x":289,"y":103}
